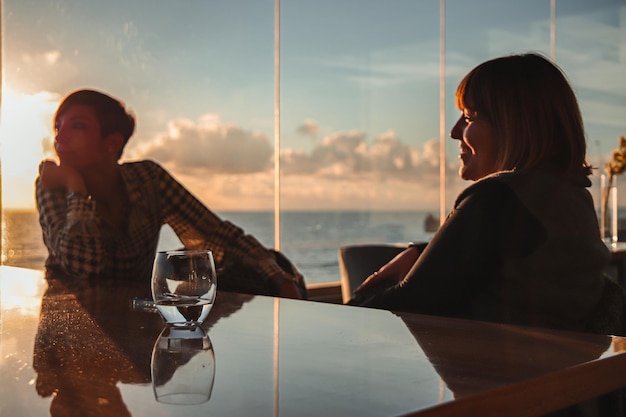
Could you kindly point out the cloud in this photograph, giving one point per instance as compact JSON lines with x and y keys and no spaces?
{"x":41,"y":66}
{"x":309,"y":128}
{"x":314,"y":193}
{"x":231,"y":191}
{"x":348,"y":155}
{"x":231,"y":168}
{"x":211,"y":146}
{"x":51,"y":57}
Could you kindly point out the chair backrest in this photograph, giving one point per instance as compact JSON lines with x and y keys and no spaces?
{"x":357,"y":262}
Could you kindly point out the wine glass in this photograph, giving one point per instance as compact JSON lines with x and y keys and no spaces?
{"x":184,"y":285}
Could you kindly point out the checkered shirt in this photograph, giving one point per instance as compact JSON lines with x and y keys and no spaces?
{"x":84,"y":245}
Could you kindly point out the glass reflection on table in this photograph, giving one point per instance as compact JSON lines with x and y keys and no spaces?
{"x":93,"y":335}
{"x":183,"y":366}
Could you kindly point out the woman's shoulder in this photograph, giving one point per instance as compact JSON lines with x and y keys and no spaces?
{"x":529,"y":187}
{"x":525,"y":179}
{"x":143,"y":168}
{"x":495,"y":187}
{"x":546,"y":176}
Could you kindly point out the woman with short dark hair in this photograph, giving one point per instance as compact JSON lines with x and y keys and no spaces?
{"x":101,"y":218}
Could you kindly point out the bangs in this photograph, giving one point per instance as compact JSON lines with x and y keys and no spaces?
{"x":468,"y":95}
{"x":462,"y":99}
{"x":475,"y":92}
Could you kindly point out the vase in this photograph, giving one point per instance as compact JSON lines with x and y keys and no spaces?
{"x":608,"y":209}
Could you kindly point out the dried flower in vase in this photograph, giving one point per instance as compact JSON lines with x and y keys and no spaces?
{"x":618,"y":161}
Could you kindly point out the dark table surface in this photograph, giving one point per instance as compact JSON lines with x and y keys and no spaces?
{"x":76,"y":349}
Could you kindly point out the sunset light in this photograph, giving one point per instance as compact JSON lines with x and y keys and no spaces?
{"x":23,"y":296}
{"x":410,"y":206}
{"x":25,"y":135}
{"x":363,"y":92}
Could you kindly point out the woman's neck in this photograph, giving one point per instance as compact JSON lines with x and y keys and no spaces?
{"x":103,"y":183}
{"x":107,"y":188}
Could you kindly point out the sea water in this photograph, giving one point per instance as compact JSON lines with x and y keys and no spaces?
{"x":311,"y":240}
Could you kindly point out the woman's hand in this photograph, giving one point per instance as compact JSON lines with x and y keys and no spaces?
{"x":392,"y":272}
{"x":54,"y":176}
{"x":288,"y":289}
{"x":287,"y":286}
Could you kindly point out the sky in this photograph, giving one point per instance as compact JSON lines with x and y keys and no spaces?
{"x":359,"y":89}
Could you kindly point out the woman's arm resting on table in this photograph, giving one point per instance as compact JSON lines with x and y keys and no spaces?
{"x":393,"y":271}
{"x":461,"y":258}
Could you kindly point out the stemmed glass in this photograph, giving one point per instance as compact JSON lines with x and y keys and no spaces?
{"x":184,"y":285}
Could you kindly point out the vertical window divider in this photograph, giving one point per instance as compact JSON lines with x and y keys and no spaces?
{"x":1,"y":139}
{"x":553,"y":30}
{"x":442,"y":111}
{"x":277,"y":124}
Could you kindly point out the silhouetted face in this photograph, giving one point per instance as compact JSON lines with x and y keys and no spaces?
{"x":478,"y":146}
{"x":78,"y":140}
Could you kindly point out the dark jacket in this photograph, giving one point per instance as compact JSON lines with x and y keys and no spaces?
{"x":518,"y":247}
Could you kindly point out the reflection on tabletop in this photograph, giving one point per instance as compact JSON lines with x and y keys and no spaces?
{"x":463,"y":373}
{"x":183,"y":366}
{"x":90,"y":338}
{"x":92,"y":356}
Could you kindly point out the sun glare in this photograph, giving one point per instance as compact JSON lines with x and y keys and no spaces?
{"x":25,"y":126}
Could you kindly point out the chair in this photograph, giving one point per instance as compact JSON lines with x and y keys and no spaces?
{"x":357,"y":262}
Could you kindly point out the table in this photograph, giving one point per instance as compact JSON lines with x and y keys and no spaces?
{"x":70,"y":346}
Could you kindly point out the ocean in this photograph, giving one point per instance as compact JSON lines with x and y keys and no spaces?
{"x":309,"y":239}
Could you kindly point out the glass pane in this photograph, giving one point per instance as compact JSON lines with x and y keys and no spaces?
{"x":359,"y":103}
{"x":359,"y":126}
{"x":198,"y":75}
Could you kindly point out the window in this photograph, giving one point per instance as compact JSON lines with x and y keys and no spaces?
{"x":365,"y":99}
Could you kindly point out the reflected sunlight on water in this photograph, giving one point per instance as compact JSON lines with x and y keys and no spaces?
{"x":22,"y":243}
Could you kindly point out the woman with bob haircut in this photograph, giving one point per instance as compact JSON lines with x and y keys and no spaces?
{"x":522,"y":244}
